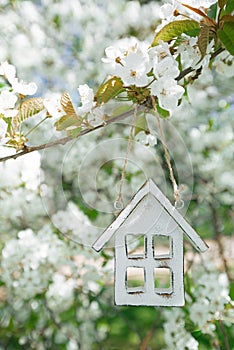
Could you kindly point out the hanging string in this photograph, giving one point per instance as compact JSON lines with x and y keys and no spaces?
{"x":179,"y":203}
{"x":119,"y":204}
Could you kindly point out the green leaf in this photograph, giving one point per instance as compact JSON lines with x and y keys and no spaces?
{"x":229,"y":6}
{"x":68,"y":121}
{"x":232,"y":291}
{"x":74,"y":132}
{"x":110,"y":89}
{"x":162,"y":112}
{"x":121,"y":109}
{"x":141,"y":125}
{"x":175,"y":29}
{"x":226,"y":36}
{"x":228,"y":9}
{"x":29,"y":108}
{"x":212,"y":12}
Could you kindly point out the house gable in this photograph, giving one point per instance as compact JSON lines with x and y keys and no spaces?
{"x":150,"y":188}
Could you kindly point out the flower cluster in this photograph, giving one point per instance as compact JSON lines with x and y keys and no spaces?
{"x":94,"y":115}
{"x":30,"y":260}
{"x":156,"y":68}
{"x":10,"y":95}
{"x":210,"y":295}
{"x":68,"y":220}
{"x":175,"y":333}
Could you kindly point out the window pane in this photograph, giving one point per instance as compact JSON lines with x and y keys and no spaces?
{"x":162,"y":280}
{"x":162,"y":246}
{"x":135,"y":246}
{"x":135,"y":279}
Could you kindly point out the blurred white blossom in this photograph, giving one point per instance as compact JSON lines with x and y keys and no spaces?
{"x":3,"y":131}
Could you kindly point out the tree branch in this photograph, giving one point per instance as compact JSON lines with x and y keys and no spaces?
{"x":198,"y":71}
{"x":64,"y":140}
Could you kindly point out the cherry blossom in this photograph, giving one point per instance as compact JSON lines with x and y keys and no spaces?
{"x":7,"y":103}
{"x":23,"y":88}
{"x":146,"y":139}
{"x":167,"y":68}
{"x":53,"y":106}
{"x":168,"y":93}
{"x":133,"y":69}
{"x":96,"y":117}
{"x":87,"y":99}
{"x":113,"y":56}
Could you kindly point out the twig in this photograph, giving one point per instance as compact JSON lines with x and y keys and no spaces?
{"x":217,"y":236}
{"x":52,"y":316}
{"x":36,"y":126}
{"x":198,"y":71}
{"x":64,"y":140}
{"x":147,"y":338}
{"x":150,"y":333}
{"x":225,"y":336}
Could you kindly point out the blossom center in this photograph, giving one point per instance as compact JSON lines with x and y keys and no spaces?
{"x":133,"y":73}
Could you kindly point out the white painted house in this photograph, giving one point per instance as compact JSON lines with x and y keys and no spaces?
{"x":149,"y":219}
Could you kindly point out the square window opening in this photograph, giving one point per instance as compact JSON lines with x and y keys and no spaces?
{"x":135,"y":279}
{"x":163,"y":280}
{"x":135,"y":246}
{"x":162,"y":246}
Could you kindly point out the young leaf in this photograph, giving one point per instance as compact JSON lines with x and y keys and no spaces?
{"x":66,"y":103}
{"x":207,"y":20}
{"x":175,"y":29}
{"x":28,"y":109}
{"x":162,"y":112}
{"x":110,"y":89}
{"x":67,"y":121}
{"x":141,"y":125}
{"x":226,"y":36}
{"x":222,"y":3}
{"x":203,"y":39}
{"x":225,"y":19}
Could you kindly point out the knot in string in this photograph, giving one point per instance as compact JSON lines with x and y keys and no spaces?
{"x":179,"y":203}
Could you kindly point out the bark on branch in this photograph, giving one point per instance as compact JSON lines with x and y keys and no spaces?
{"x":64,"y":140}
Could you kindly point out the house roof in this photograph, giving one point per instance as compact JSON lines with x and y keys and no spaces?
{"x":150,"y":187}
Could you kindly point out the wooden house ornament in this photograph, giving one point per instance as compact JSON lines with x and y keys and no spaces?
{"x":149,"y":218}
